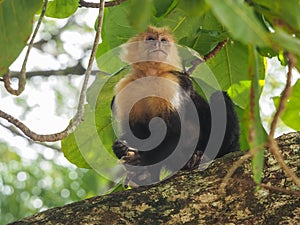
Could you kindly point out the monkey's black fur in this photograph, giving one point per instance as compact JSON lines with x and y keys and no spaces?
{"x":132,"y":155}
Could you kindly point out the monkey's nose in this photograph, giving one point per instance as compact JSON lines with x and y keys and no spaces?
{"x":158,"y":44}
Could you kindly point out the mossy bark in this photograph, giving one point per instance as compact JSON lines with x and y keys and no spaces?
{"x":192,"y":197}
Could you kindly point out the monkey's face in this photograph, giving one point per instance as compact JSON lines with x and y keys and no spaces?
{"x":156,"y":47}
{"x":153,"y":45}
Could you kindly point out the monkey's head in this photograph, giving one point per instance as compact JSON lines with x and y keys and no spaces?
{"x":153,"y":45}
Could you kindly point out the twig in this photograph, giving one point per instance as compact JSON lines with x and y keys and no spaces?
{"x":74,"y":70}
{"x":80,"y":110}
{"x":279,"y":189}
{"x":285,"y":95}
{"x":14,"y":131}
{"x":83,"y":3}
{"x":208,"y":56}
{"x":22,"y":78}
{"x":271,"y":142}
{"x":219,"y":46}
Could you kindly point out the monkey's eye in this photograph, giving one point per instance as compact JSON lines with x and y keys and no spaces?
{"x":150,"y":38}
{"x":164,"y":40}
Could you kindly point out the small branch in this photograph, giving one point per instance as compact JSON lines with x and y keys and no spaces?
{"x":83,"y":3}
{"x":34,"y":136}
{"x":273,"y":146}
{"x":22,"y":78}
{"x":279,"y":189}
{"x":208,"y":56}
{"x":14,"y":131}
{"x":218,"y":48}
{"x":74,"y":70}
{"x":229,"y":174}
{"x":235,"y":166}
{"x":285,"y":94}
{"x":80,"y":110}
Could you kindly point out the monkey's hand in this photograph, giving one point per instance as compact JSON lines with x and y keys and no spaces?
{"x":194,"y":160}
{"x":131,"y":157}
{"x":126,"y":154}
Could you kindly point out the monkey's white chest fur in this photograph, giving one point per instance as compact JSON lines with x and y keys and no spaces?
{"x":146,"y":97}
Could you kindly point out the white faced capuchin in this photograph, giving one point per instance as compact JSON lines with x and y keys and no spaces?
{"x":164,"y":122}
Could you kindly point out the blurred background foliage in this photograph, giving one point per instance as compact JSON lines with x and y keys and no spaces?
{"x":34,"y":177}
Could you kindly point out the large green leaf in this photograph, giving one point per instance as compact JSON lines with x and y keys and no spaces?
{"x":61,"y":8}
{"x":229,"y":66}
{"x":277,"y":10}
{"x":16,"y":18}
{"x":116,"y":28}
{"x":240,"y":20}
{"x":291,"y":114}
{"x":142,"y":14}
{"x":285,"y":41}
{"x":90,"y":145}
{"x":71,"y":151}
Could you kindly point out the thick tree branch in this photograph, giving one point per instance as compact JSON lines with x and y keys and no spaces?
{"x":83,"y":3}
{"x":22,"y":78}
{"x":191,"y":197}
{"x":80,"y":110}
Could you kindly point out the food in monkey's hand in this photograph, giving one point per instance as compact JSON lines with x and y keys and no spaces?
{"x":156,"y":89}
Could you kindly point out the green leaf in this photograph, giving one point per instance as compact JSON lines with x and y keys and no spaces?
{"x":142,"y":14}
{"x":116,"y":28}
{"x":103,"y":118}
{"x":194,"y":7}
{"x":90,"y":145}
{"x":163,"y":7}
{"x":240,"y":20}
{"x":244,"y":127}
{"x":291,"y":114}
{"x":240,"y":93}
{"x":257,"y":135}
{"x":229,"y":66}
{"x":16,"y":18}
{"x":61,"y":8}
{"x":285,"y":41}
{"x":277,"y":10}
{"x":72,"y":153}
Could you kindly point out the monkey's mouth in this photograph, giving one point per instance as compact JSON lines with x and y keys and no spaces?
{"x":159,"y":51}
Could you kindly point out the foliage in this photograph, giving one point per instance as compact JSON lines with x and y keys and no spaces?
{"x":253,"y":34}
{"x":29,"y":186}
{"x":255,"y":29}
{"x":15,"y":15}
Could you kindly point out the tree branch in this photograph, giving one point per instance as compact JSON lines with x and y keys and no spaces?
{"x":14,"y":131}
{"x":271,"y":142}
{"x":83,"y":3}
{"x":22,"y":78}
{"x":74,"y":70}
{"x":218,"y":48}
{"x":191,"y":197}
{"x":208,"y":56}
{"x":80,"y":110}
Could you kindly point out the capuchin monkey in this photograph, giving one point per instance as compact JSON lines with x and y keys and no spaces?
{"x":163,"y":121}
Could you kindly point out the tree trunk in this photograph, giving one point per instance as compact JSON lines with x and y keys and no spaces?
{"x":192,"y":197}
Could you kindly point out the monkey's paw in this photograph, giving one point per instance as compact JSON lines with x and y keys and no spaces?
{"x":194,"y":160}
{"x":126,"y":154}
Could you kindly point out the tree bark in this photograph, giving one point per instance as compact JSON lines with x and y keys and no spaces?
{"x":192,"y":197}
